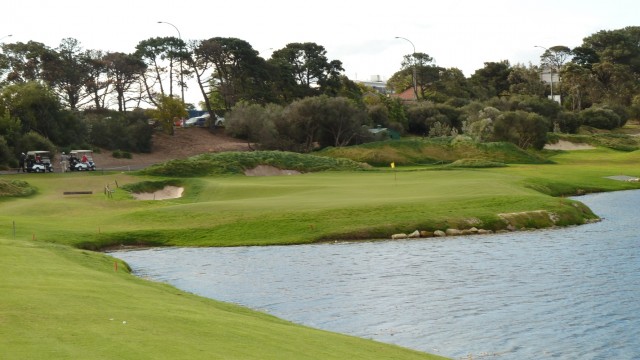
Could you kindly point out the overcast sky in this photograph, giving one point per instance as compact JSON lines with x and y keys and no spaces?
{"x":456,"y":33}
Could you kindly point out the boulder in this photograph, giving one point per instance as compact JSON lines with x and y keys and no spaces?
{"x":399,"y":236}
{"x":453,"y":232}
{"x":414,"y":235}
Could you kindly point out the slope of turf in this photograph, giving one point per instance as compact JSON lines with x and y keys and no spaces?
{"x":63,"y":303}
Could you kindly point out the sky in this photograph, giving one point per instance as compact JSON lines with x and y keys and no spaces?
{"x":361,"y":34}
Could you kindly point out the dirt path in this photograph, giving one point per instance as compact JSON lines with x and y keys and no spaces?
{"x":183,"y":144}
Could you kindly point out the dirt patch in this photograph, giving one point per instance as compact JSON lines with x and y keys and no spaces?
{"x":183,"y":144}
{"x":169,"y":192}
{"x":567,"y":145}
{"x":266,"y":170}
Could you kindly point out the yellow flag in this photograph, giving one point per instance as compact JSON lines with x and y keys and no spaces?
{"x":393,"y":165}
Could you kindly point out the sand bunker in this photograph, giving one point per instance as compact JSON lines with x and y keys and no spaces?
{"x":266,"y":170}
{"x":169,"y":192}
{"x":567,"y":145}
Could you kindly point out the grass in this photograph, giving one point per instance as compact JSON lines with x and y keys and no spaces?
{"x":64,"y":303}
{"x":58,"y":300}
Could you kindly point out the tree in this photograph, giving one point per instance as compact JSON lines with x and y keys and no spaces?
{"x":554,"y":57}
{"x":341,"y":123}
{"x":577,"y":83}
{"x":123,"y":71}
{"x":155,"y":52}
{"x":492,"y":80}
{"x":525,"y":81}
{"x":98,"y":83}
{"x":67,"y":72}
{"x":169,"y":109}
{"x":621,"y":46}
{"x":303,"y":69}
{"x":239,"y":73}
{"x":24,"y":61}
{"x":452,"y":84}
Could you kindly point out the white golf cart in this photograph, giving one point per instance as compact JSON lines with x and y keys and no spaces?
{"x":81,"y":160}
{"x":38,"y":161}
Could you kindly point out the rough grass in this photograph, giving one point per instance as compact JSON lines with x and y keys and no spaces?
{"x":237,"y":162}
{"x":433,"y":151}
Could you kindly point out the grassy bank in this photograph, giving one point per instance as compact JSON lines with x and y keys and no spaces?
{"x":63,"y":303}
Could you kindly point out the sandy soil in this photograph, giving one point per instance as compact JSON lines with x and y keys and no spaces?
{"x":183,"y":144}
{"x":567,"y":145}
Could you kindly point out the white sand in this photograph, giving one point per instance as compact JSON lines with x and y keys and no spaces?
{"x":567,"y":145}
{"x":169,"y":192}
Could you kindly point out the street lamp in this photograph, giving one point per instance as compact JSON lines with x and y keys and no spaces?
{"x":180,"y":37}
{"x":415,"y":87}
{"x":6,"y":36}
{"x":550,"y":69}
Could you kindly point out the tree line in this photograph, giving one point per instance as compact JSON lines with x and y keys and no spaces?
{"x":64,"y":94}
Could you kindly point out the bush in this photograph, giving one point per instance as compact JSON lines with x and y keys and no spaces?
{"x":34,"y":141}
{"x":521,"y":128}
{"x":600,"y":118}
{"x":569,"y":122}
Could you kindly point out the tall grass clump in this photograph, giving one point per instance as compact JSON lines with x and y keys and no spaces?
{"x":15,"y":188}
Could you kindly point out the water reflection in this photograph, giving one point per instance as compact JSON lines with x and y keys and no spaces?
{"x":571,"y":293}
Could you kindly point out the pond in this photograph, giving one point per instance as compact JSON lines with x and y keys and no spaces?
{"x":571,"y":293}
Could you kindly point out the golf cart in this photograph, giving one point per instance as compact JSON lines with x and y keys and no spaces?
{"x":81,"y":160}
{"x":38,"y":161}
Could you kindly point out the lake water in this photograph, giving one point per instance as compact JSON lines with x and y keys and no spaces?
{"x":572,"y":293}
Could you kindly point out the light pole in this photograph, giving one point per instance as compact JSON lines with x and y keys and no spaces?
{"x":415,"y":87}
{"x":179,"y":37}
{"x":6,"y":36}
{"x":550,"y":69}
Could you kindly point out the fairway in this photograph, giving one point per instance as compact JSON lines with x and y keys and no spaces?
{"x":240,"y":210}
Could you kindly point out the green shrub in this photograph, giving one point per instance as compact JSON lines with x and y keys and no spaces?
{"x":600,"y":118}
